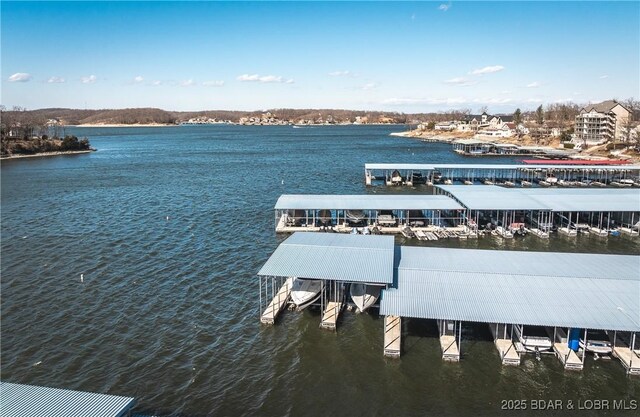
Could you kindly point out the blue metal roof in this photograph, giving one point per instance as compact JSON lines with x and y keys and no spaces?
{"x":18,"y":400}
{"x":439,"y":167}
{"x":333,"y":256}
{"x":532,"y":288}
{"x":491,"y":197}
{"x":366,"y":202}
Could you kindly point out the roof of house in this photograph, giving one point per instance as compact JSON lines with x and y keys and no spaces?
{"x":604,"y":107}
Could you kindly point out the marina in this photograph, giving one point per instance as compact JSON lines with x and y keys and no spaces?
{"x":522,"y":175}
{"x":458,"y":211}
{"x":515,"y":293}
{"x":475,"y":147}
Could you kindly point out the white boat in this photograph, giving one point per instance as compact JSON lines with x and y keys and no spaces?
{"x":597,"y":342}
{"x":535,"y":341}
{"x":552,"y":180}
{"x":364,"y":296}
{"x":305,"y":291}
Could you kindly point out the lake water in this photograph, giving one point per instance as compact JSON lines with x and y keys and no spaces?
{"x":169,"y":227}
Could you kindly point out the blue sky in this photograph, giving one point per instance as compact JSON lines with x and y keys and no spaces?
{"x":394,"y":56}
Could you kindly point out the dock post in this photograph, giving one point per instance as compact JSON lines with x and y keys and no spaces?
{"x":392,"y":336}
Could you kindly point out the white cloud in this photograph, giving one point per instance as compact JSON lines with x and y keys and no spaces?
{"x":138,"y":79}
{"x":487,"y":70}
{"x":187,"y":83}
{"x":369,"y":86}
{"x":340,"y":73}
{"x":602,"y":77}
{"x":289,"y":81}
{"x":247,"y":77}
{"x":462,"y":81}
{"x":270,"y":79}
{"x":156,"y":82}
{"x":20,"y":77}
{"x":89,"y":80}
{"x":55,"y":79}
{"x":534,"y":84}
{"x":216,"y":83}
{"x":444,"y":7}
{"x":263,"y":78}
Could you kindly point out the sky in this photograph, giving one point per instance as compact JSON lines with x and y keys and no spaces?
{"x":393,"y":56}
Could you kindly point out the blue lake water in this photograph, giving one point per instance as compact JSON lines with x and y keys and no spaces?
{"x":170,"y":225}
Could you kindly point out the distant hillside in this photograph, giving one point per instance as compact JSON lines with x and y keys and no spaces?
{"x":159,"y":116}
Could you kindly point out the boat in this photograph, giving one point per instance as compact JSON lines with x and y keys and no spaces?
{"x":488,"y":182}
{"x":417,"y":178}
{"x":448,"y":181}
{"x":407,"y":232}
{"x":305,"y":291}
{"x":364,"y":296}
{"x":355,"y":216}
{"x":537,"y":339}
{"x":518,"y":229}
{"x":552,"y":180}
{"x":597,"y":342}
{"x":396,"y":178}
{"x":324,"y":217}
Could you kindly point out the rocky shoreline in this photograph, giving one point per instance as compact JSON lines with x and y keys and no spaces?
{"x":43,"y":154}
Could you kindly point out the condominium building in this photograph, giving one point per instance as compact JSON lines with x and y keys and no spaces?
{"x":602,"y":122}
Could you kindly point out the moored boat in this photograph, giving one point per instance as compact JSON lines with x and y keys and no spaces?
{"x":535,"y":341}
{"x":304,"y":292}
{"x":364,"y":296}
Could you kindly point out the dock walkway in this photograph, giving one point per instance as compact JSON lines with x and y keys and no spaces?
{"x":568,"y":357}
{"x":508,"y":353}
{"x":450,"y":351}
{"x":273,"y":309}
{"x":629,"y":359}
{"x":392,"y":334}
{"x":330,"y":315}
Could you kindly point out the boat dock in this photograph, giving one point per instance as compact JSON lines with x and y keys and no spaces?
{"x":392,"y":336}
{"x":450,"y":334}
{"x":568,"y":357}
{"x":509,"y":355}
{"x":434,"y":284}
{"x":518,"y":175}
{"x":277,"y":303}
{"x":477,"y":147}
{"x":336,"y":259}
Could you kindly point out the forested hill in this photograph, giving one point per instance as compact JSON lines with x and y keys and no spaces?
{"x":159,"y":116}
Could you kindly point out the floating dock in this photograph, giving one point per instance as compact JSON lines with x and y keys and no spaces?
{"x":453,"y":286}
{"x":568,"y":357}
{"x":392,"y":336}
{"x":565,"y":175}
{"x":277,"y":303}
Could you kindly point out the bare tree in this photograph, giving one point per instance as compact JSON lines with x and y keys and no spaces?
{"x":633,"y":106}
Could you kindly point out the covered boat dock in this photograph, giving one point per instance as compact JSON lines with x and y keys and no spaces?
{"x":369,"y":214}
{"x":19,"y":400}
{"x":338,"y":260}
{"x":507,"y":289}
{"x":513,"y":292}
{"x":508,"y":211}
{"x":523,"y":175}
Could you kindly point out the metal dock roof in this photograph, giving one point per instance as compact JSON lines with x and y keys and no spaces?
{"x":491,"y":197}
{"x":551,"y":166}
{"x":549,"y":289}
{"x":333,"y":256}
{"x":366,"y":202}
{"x":18,"y":400}
{"x":415,"y":167}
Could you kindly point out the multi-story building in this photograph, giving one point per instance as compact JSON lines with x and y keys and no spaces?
{"x":602,"y":122}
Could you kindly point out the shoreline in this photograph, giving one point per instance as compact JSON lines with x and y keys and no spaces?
{"x":122,"y":125}
{"x":44,"y":154}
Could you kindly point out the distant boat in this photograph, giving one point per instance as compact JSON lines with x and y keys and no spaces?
{"x":324,"y":217}
{"x":364,"y":296}
{"x":305,"y":291}
{"x":597,"y":342}
{"x":355,"y":216}
{"x":396,"y":178}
